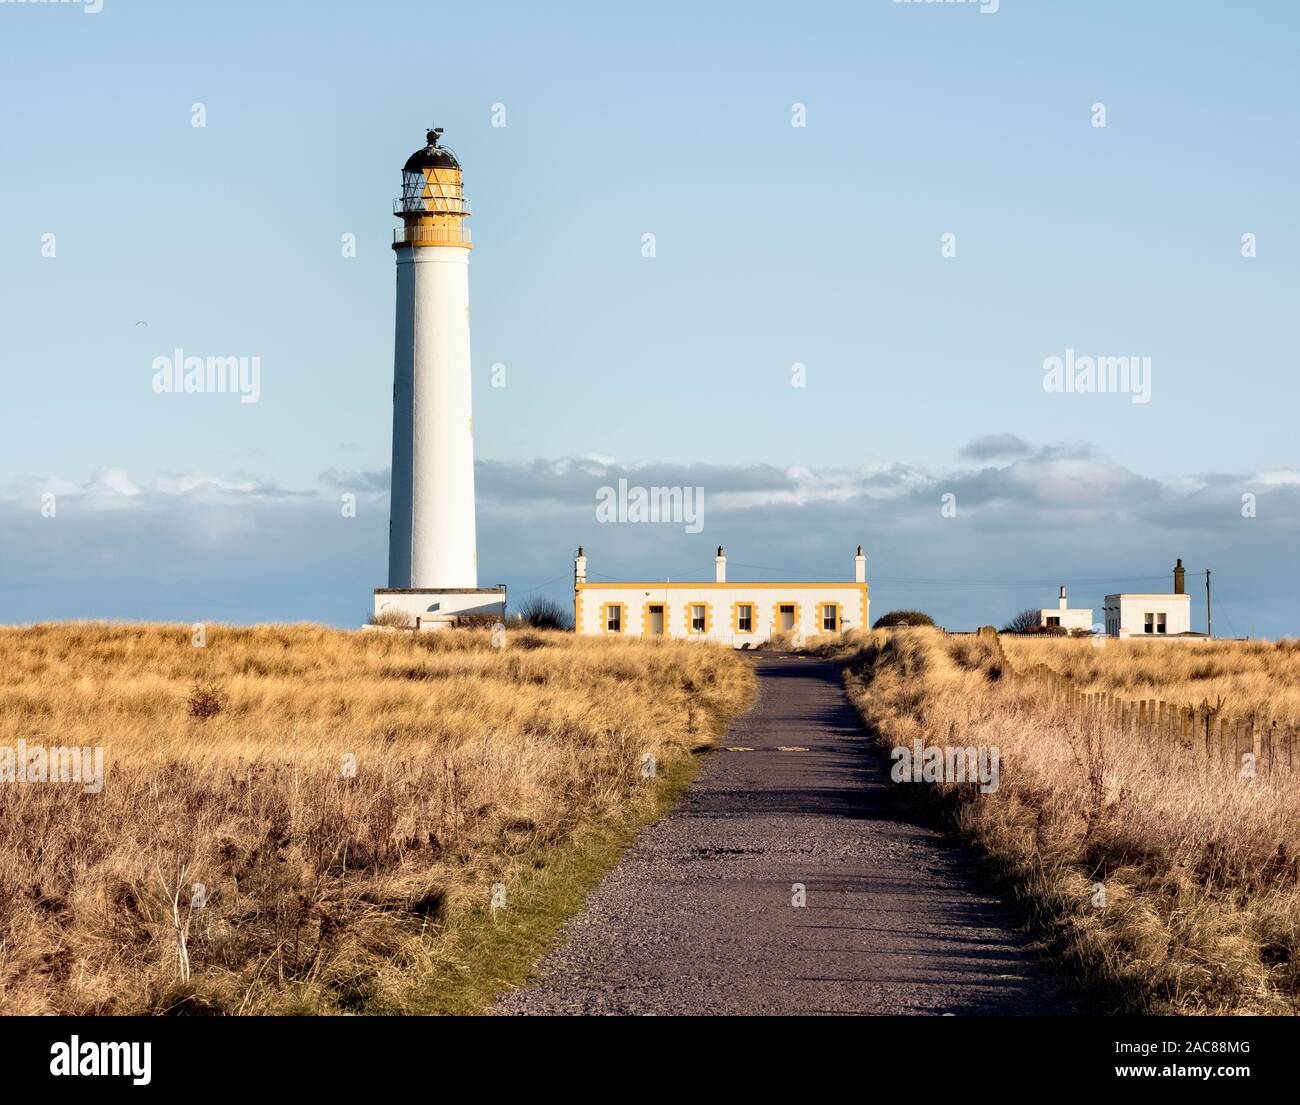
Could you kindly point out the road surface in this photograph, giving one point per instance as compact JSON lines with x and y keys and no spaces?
{"x":698,"y":916}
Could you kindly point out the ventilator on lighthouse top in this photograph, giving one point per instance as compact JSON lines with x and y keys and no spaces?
{"x":432,"y":558}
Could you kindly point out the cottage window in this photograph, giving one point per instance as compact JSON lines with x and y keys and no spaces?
{"x":699,"y":617}
{"x":744,"y":618}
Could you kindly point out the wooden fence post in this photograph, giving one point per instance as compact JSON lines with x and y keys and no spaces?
{"x":1212,"y":738}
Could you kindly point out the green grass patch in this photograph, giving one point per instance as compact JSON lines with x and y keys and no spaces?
{"x":496,"y":952}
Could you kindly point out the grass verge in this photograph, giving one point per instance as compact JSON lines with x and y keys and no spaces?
{"x":1169,"y":885}
{"x":496,"y":951}
{"x":296,"y":820}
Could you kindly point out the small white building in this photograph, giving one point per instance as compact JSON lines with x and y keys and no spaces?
{"x":1152,"y":617}
{"x":1070,"y":619}
{"x":449,"y":606}
{"x":739,"y":614}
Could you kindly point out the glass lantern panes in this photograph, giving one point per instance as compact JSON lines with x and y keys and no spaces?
{"x":423,"y":191}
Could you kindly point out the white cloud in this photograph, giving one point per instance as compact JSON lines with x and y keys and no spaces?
{"x":1279,"y":477}
{"x":194,"y":545}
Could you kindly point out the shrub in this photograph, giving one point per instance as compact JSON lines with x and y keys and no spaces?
{"x":542,"y":613}
{"x":205,"y":700}
{"x":1024,"y":622}
{"x":394,"y":618}
{"x":902,"y":617}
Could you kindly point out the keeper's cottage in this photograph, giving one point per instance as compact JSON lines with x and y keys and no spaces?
{"x":740,"y":614}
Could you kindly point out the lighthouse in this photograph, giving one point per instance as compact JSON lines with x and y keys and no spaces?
{"x":432,"y":555}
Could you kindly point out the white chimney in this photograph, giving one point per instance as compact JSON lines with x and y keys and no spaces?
{"x":1062,"y":600}
{"x":580,"y":567}
{"x":720,"y":567}
{"x":860,"y":567}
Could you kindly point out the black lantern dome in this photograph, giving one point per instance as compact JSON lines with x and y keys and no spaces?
{"x":432,"y":204}
{"x":433,"y":156}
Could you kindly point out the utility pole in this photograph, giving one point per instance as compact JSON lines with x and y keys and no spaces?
{"x":1209,"y":623}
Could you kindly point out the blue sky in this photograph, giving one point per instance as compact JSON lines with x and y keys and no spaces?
{"x":775,"y":245}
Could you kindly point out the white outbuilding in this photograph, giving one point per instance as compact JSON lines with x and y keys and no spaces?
{"x":1152,"y":616}
{"x":1071,"y":619}
{"x":739,"y":614}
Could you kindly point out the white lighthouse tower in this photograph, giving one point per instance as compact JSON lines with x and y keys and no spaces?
{"x":432,"y":558}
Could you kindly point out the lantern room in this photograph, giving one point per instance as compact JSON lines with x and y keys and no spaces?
{"x":432,"y":205}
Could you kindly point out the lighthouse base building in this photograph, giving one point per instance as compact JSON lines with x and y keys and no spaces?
{"x":438,"y":608}
{"x":742,"y":615}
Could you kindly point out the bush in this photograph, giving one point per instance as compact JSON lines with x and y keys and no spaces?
{"x":394,"y":618}
{"x":902,"y":617}
{"x":205,"y":700}
{"x":540,"y":613}
{"x":1024,"y":622}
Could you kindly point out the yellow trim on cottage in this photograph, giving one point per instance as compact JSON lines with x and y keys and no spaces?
{"x":690,"y":618}
{"x":784,"y":585}
{"x":605,"y":608}
{"x":645,"y":619}
{"x":776,"y":615}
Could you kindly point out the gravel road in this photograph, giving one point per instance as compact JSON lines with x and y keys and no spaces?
{"x":698,"y":918}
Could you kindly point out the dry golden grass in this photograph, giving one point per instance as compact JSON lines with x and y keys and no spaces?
{"x":1260,"y":677}
{"x":1200,"y":868}
{"x":324,"y":892}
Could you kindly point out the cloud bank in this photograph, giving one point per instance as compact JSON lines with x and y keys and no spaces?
{"x":1021,"y":519}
